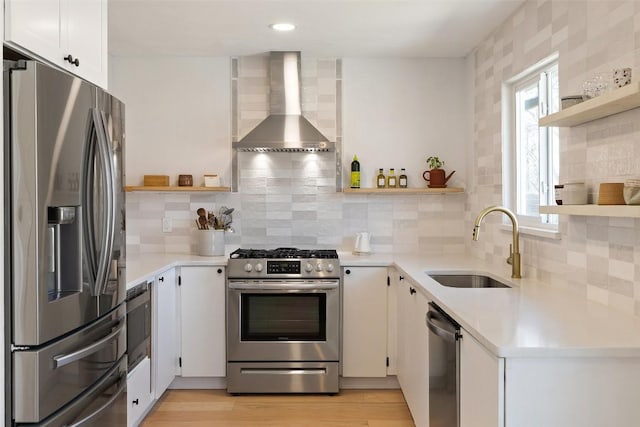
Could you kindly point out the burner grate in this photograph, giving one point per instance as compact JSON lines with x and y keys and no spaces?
{"x":280,"y":253}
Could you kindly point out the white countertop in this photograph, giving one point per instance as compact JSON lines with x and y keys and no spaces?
{"x":531,"y":319}
{"x":143,"y":267}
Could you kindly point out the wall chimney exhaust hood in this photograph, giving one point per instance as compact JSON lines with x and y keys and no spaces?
{"x":285,"y":129}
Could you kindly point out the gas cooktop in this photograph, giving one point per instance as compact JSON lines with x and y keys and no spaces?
{"x":283,"y":263}
{"x":283,"y":253}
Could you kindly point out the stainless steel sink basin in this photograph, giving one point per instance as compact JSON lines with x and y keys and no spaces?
{"x":467,"y":281}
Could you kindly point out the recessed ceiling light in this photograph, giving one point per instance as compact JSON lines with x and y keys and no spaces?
{"x":282,"y":26}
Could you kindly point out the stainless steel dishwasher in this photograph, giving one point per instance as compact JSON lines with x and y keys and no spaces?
{"x":444,"y":368}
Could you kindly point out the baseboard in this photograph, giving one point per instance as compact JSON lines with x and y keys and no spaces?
{"x":220,"y":383}
{"x":390,"y":381}
{"x":208,"y":383}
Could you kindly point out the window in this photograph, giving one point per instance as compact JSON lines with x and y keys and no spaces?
{"x":531,"y":153}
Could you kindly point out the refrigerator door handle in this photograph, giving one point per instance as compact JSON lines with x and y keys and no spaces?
{"x":87,"y":195}
{"x":99,"y":120}
{"x":123,"y":385}
{"x":99,"y":149}
{"x":65,"y":359}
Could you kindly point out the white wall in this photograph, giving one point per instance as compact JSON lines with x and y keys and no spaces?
{"x":398,"y":112}
{"x":177,"y":116}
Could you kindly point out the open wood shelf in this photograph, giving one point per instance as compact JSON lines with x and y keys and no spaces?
{"x":619,"y":100}
{"x":403,"y":190}
{"x":622,"y":211}
{"x":176,"y":189}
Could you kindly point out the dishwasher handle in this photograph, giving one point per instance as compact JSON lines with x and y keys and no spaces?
{"x":448,"y":335}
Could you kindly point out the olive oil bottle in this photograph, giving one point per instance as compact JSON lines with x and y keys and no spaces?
{"x":355,"y":173}
{"x":402,"y":180}
{"x":381,"y":181}
{"x":392,"y":179}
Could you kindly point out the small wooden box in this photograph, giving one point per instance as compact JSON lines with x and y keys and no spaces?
{"x":156,"y":180}
{"x":611,"y":193}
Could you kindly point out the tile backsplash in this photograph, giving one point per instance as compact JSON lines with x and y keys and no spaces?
{"x":598,"y":257}
{"x":289,"y":199}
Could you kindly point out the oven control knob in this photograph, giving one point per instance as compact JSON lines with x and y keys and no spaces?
{"x":319,"y":267}
{"x":248,"y":267}
{"x":308,"y":268}
{"x":330,"y":268}
{"x":259,"y":267}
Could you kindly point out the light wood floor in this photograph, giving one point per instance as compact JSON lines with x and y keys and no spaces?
{"x":195,"y":408}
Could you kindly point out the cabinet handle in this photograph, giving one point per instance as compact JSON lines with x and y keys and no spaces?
{"x":347,"y":271}
{"x":161,"y":278}
{"x":401,"y":277}
{"x":219,"y":271}
{"x":412,"y":291}
{"x":135,"y":402}
{"x":70,"y":59}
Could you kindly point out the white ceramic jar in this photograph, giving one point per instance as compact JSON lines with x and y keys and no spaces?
{"x":574,"y":193}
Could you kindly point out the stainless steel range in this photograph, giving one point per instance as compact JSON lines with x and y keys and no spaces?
{"x":283,"y":321}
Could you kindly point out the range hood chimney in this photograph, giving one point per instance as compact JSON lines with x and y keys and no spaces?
{"x":285,"y":129}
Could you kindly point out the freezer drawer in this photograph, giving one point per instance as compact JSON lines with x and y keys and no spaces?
{"x":47,"y":379}
{"x":102,"y":405}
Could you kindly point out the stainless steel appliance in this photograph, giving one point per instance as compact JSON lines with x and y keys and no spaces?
{"x":65,"y":313}
{"x":283,"y":321}
{"x":138,"y":323}
{"x":444,"y":368}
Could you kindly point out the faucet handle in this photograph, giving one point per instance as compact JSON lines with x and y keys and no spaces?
{"x":510,"y":258}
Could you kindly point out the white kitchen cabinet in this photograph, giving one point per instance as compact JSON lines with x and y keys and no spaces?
{"x":364,"y":336}
{"x":481,"y":385}
{"x":55,"y":29}
{"x":413,"y":350}
{"x":202,"y":322}
{"x":139,"y":393}
{"x":546,"y":391}
{"x":570,"y":391}
{"x":164,"y":335}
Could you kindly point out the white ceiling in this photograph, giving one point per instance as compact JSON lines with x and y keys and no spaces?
{"x":343,"y":28}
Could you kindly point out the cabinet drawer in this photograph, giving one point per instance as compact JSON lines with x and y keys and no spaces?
{"x":139,"y":396}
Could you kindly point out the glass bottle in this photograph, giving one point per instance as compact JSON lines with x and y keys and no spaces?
{"x":355,"y":173}
{"x":381,"y":181}
{"x":392,"y":179}
{"x":402,"y":181}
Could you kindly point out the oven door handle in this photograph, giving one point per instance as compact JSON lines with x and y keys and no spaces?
{"x":285,"y":286}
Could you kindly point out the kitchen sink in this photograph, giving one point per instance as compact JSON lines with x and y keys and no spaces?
{"x":463,"y":280}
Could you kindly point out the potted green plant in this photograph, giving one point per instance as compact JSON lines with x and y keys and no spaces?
{"x":435,"y":176}
{"x":434,"y":162}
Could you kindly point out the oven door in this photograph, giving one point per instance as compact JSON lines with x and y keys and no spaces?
{"x":286,"y":320}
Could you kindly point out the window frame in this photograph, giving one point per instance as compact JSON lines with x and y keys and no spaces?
{"x":510,"y":178}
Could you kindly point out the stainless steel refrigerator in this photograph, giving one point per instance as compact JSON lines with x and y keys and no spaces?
{"x":65,"y":275}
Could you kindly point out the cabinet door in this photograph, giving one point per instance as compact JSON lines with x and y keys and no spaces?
{"x":418,"y":359}
{"x":165,"y":331}
{"x":139,"y":396}
{"x":35,"y":25}
{"x":481,"y":385}
{"x":85,"y":31}
{"x":403,"y":331}
{"x":202,"y":321}
{"x":364,"y":322}
{"x":53,"y":29}
{"x":392,"y":321}
{"x":413,"y":350}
